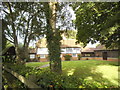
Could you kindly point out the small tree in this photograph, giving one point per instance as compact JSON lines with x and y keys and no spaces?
{"x":67,"y":57}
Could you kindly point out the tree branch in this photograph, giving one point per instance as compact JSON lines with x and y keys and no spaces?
{"x":6,"y":12}
{"x":10,"y":40}
{"x":13,"y":25}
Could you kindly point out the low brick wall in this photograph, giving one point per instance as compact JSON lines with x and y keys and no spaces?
{"x":43,"y":60}
{"x":100,"y":58}
{"x":83,"y":58}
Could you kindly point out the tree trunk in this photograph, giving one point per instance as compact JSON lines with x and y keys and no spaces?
{"x":26,"y":54}
{"x":53,"y":39}
{"x":18,"y":58}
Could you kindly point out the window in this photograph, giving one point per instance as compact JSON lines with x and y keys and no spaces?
{"x":69,"y":49}
{"x":74,"y":55}
{"x":42,"y":56}
{"x":87,"y":55}
{"x":32,"y":56}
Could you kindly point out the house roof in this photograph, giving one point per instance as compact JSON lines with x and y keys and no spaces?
{"x":99,"y":47}
{"x":64,"y":43}
{"x":69,"y":43}
{"x":87,"y":49}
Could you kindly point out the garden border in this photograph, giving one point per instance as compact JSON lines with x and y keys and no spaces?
{"x":28,"y":83}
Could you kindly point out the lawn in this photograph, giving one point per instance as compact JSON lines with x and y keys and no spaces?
{"x":93,"y":71}
{"x":36,"y":64}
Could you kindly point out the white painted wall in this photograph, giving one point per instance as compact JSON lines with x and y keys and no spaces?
{"x":73,"y":50}
{"x":63,"y":50}
{"x":42,"y":51}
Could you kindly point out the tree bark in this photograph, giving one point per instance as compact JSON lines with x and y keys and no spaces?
{"x":18,"y":58}
{"x":53,"y":39}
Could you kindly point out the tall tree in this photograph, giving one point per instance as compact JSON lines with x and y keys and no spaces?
{"x":53,"y":37}
{"x":98,"y":22}
{"x":4,"y":40}
{"x":23,"y":23}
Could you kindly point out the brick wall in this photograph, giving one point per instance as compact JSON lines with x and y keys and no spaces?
{"x":100,"y":58}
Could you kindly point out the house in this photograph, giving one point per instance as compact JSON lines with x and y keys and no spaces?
{"x":32,"y":54}
{"x":8,"y":54}
{"x":99,"y":53}
{"x":68,"y":46}
{"x":111,"y":55}
{"x":87,"y":52}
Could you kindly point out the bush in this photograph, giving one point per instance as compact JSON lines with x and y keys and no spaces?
{"x":49,"y":80}
{"x":79,"y":56}
{"x":67,"y":57}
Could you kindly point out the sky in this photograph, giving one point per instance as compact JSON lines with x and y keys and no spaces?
{"x":32,"y":43}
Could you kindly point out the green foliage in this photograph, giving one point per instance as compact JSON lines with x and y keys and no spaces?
{"x":47,"y":79}
{"x":79,"y":56}
{"x":36,"y":64}
{"x":71,"y":34}
{"x":9,"y":81}
{"x":98,"y":22}
{"x":67,"y":57}
{"x":21,"y":21}
{"x":50,"y":79}
{"x":21,"y":68}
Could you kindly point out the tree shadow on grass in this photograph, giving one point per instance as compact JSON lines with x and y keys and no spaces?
{"x":88,"y":73}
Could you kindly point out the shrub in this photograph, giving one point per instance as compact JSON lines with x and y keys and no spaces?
{"x":49,"y":80}
{"x":67,"y":57}
{"x":79,"y":56}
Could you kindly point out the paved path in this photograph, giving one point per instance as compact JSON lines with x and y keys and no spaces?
{"x":43,"y":66}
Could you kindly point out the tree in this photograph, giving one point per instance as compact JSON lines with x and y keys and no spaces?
{"x":98,"y":22}
{"x":4,"y":40}
{"x":57,"y":17}
{"x":71,"y":34}
{"x":23,"y":22}
{"x":53,"y":37}
{"x":46,"y":16}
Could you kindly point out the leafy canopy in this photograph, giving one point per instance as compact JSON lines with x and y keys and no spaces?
{"x":98,"y":22}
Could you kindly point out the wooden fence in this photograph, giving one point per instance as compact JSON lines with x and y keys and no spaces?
{"x":28,"y":83}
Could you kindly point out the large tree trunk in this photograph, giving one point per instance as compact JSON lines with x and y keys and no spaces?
{"x":26,"y":53}
{"x":53,"y":39}
{"x":18,"y":57}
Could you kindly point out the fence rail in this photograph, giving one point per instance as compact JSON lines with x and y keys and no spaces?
{"x":28,"y":83}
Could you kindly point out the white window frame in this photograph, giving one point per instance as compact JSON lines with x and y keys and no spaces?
{"x":69,"y":50}
{"x":74,"y":55}
{"x":32,"y":56}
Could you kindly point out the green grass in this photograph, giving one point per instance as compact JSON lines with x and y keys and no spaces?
{"x":94,"y":71}
{"x":36,"y":64}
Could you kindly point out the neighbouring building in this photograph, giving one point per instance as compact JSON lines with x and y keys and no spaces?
{"x":88,"y":52}
{"x":99,"y":53}
{"x":68,"y":46}
{"x":32,"y":54}
{"x":111,"y":55}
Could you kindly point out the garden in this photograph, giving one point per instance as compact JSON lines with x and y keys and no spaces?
{"x":76,"y":74}
{"x":26,"y":23}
